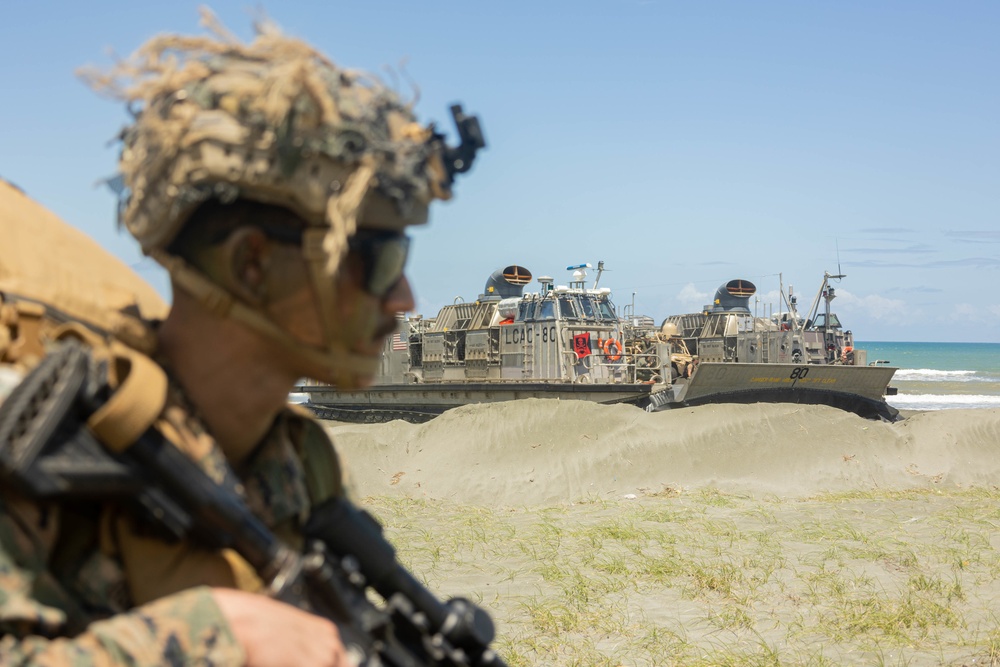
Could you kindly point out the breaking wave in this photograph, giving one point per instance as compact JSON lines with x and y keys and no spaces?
{"x":931,"y":389}
{"x":942,"y":401}
{"x":932,"y":375}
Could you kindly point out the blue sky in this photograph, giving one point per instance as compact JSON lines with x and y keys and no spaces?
{"x":684,"y":144}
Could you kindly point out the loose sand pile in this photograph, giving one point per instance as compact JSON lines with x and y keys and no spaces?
{"x":536,"y":452}
{"x":719,"y":535}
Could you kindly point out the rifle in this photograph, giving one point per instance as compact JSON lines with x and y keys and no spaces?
{"x":48,"y":452}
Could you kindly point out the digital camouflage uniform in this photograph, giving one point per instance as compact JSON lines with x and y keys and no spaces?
{"x":272,"y":121}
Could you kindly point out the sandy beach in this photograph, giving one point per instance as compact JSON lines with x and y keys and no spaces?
{"x":536,"y":452}
{"x":752,"y":534}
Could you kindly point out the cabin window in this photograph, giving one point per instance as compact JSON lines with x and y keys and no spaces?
{"x":546,"y":310}
{"x":820,"y":322}
{"x":524,"y":310}
{"x":567,"y":309}
{"x":588,"y":307}
{"x":607,"y":311}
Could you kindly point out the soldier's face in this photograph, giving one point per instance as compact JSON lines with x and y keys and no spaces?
{"x":370,"y":289}
{"x":366,"y":318}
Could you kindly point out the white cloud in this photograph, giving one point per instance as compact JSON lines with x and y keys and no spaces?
{"x":963,"y":310}
{"x":967,"y":312}
{"x":877,"y":307}
{"x":692,"y":298}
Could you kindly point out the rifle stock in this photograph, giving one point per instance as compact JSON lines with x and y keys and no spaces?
{"x":47,"y":451}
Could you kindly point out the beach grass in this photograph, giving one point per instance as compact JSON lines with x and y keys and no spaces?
{"x":708,"y":578}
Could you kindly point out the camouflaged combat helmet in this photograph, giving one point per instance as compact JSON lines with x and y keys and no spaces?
{"x":277,"y":122}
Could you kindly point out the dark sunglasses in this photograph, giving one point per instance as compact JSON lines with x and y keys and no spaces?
{"x":382,"y":253}
{"x":383,"y":259}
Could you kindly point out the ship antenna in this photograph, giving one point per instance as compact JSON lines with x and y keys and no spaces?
{"x":840,"y":273}
{"x":600,"y":270}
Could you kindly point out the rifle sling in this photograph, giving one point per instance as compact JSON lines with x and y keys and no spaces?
{"x":137,"y":400}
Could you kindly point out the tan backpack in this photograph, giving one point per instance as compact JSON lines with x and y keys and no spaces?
{"x":52,"y":274}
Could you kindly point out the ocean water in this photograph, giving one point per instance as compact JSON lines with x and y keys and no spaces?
{"x":940,"y":376}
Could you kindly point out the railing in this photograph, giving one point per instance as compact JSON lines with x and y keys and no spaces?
{"x":624,"y":368}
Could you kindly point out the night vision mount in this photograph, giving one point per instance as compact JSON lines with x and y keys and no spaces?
{"x":458,"y":159}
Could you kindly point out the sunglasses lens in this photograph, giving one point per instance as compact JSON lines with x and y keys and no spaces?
{"x":384,"y":259}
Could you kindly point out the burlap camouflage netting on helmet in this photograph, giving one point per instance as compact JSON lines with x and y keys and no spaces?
{"x":277,"y":122}
{"x":273,"y":121}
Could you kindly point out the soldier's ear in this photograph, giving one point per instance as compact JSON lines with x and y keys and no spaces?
{"x":246,"y":257}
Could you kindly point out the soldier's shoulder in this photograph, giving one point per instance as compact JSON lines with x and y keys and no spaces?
{"x":324,"y":468}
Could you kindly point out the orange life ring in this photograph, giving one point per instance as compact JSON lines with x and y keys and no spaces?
{"x":612,"y":344}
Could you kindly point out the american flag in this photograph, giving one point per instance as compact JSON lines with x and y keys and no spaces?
{"x":397,"y":341}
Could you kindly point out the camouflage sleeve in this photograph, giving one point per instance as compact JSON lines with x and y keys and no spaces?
{"x":186,"y":628}
{"x":42,"y":623}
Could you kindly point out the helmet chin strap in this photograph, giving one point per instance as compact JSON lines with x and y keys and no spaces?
{"x":324,"y":249}
{"x":335,"y":362}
